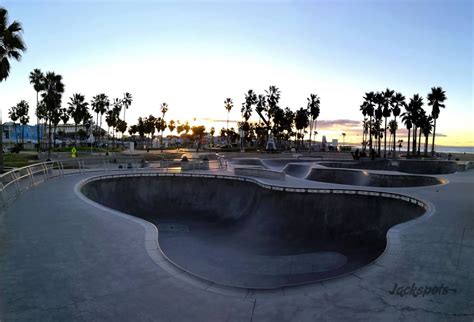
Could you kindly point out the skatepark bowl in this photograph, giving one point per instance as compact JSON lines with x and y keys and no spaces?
{"x":359,"y":177}
{"x":240,"y":232}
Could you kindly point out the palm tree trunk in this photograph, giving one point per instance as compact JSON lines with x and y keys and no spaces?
{"x":419,"y":142}
{"x":370,"y":135}
{"x":311,"y":124}
{"x":49,"y":138}
{"x":385,"y":140}
{"x":433,"y":142}
{"x":37,"y":124}
{"x":413,"y":152}
{"x":380,"y":141}
{"x":96,"y":128}
{"x":408,"y":145}
{"x":394,"y":155}
{"x":75,"y":135}
{"x":426,"y":145}
{"x":227,"y":132}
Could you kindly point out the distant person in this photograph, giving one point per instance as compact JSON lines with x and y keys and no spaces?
{"x":357,"y":154}
{"x":450,"y":156}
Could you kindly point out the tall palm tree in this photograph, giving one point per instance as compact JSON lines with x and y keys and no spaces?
{"x":393,"y":126}
{"x":36,"y":79}
{"x":78,"y":110}
{"x":386,"y":112}
{"x":369,"y":107}
{"x":416,"y":108}
{"x":13,"y":115}
{"x":163,"y":109}
{"x":427,"y":126}
{"x":127,"y":101}
{"x":22,"y":112}
{"x":379,"y":100}
{"x":52,"y":95}
{"x":436,"y":99}
{"x":100,"y":104}
{"x":228,"y":105}
{"x":314,"y":110}
{"x":398,"y":100}
{"x":11,"y":47}
{"x":406,"y":119}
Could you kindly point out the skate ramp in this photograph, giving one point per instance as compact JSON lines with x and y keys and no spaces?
{"x":365,"y":178}
{"x":238,"y":233}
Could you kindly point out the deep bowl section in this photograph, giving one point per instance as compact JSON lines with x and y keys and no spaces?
{"x":371,"y":179}
{"x":239,"y":233}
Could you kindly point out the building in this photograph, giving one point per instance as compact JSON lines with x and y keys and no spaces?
{"x":12,"y":133}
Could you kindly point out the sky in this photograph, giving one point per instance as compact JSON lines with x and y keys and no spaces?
{"x":194,"y":54}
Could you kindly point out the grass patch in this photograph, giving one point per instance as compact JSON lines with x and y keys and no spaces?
{"x":18,"y":160}
{"x":87,"y":149}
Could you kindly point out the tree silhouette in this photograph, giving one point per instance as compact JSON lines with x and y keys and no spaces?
{"x":228,"y":104}
{"x":398,"y":100}
{"x":36,"y":79}
{"x":100,"y":105}
{"x":406,"y":119}
{"x":11,"y":47}
{"x":78,"y":111}
{"x":386,"y":112}
{"x":51,"y":96}
{"x":436,"y":99}
{"x":314,"y":110}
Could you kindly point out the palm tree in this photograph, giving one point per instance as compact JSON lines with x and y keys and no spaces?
{"x":301,"y":122}
{"x":398,"y":100}
{"x":406,"y":119}
{"x":314,"y":109}
{"x":228,"y":104}
{"x":379,"y":100}
{"x":162,"y":126}
{"x":127,"y":101}
{"x":78,"y":110}
{"x":36,"y":79}
{"x":426,"y":128}
{"x":100,"y":104}
{"x":11,"y":47}
{"x":13,"y":115}
{"x":52,"y":95}
{"x":436,"y":99}
{"x":386,"y":112}
{"x":369,"y":108}
{"x":393,"y":126}
{"x":416,"y":108}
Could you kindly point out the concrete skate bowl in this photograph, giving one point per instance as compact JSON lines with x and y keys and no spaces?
{"x":364,"y":178}
{"x":407,"y":166}
{"x":241,"y":233}
{"x":280,"y":163}
{"x":298,"y":170}
{"x":253,"y":162}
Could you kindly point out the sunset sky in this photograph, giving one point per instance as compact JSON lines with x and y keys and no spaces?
{"x":194,"y":54}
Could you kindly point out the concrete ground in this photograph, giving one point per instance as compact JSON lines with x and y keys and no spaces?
{"x":64,"y":259}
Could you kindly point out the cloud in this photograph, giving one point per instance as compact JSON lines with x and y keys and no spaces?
{"x":339,"y":123}
{"x":441,"y":135}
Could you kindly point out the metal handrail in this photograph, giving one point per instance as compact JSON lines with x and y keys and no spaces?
{"x":52,"y":169}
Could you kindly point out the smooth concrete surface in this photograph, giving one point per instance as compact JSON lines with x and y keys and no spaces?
{"x":64,"y":259}
{"x":259,"y":172}
{"x":401,"y":165}
{"x":365,"y":178}
{"x":237,"y":233}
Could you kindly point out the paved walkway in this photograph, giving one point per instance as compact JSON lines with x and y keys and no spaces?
{"x":64,"y":259}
